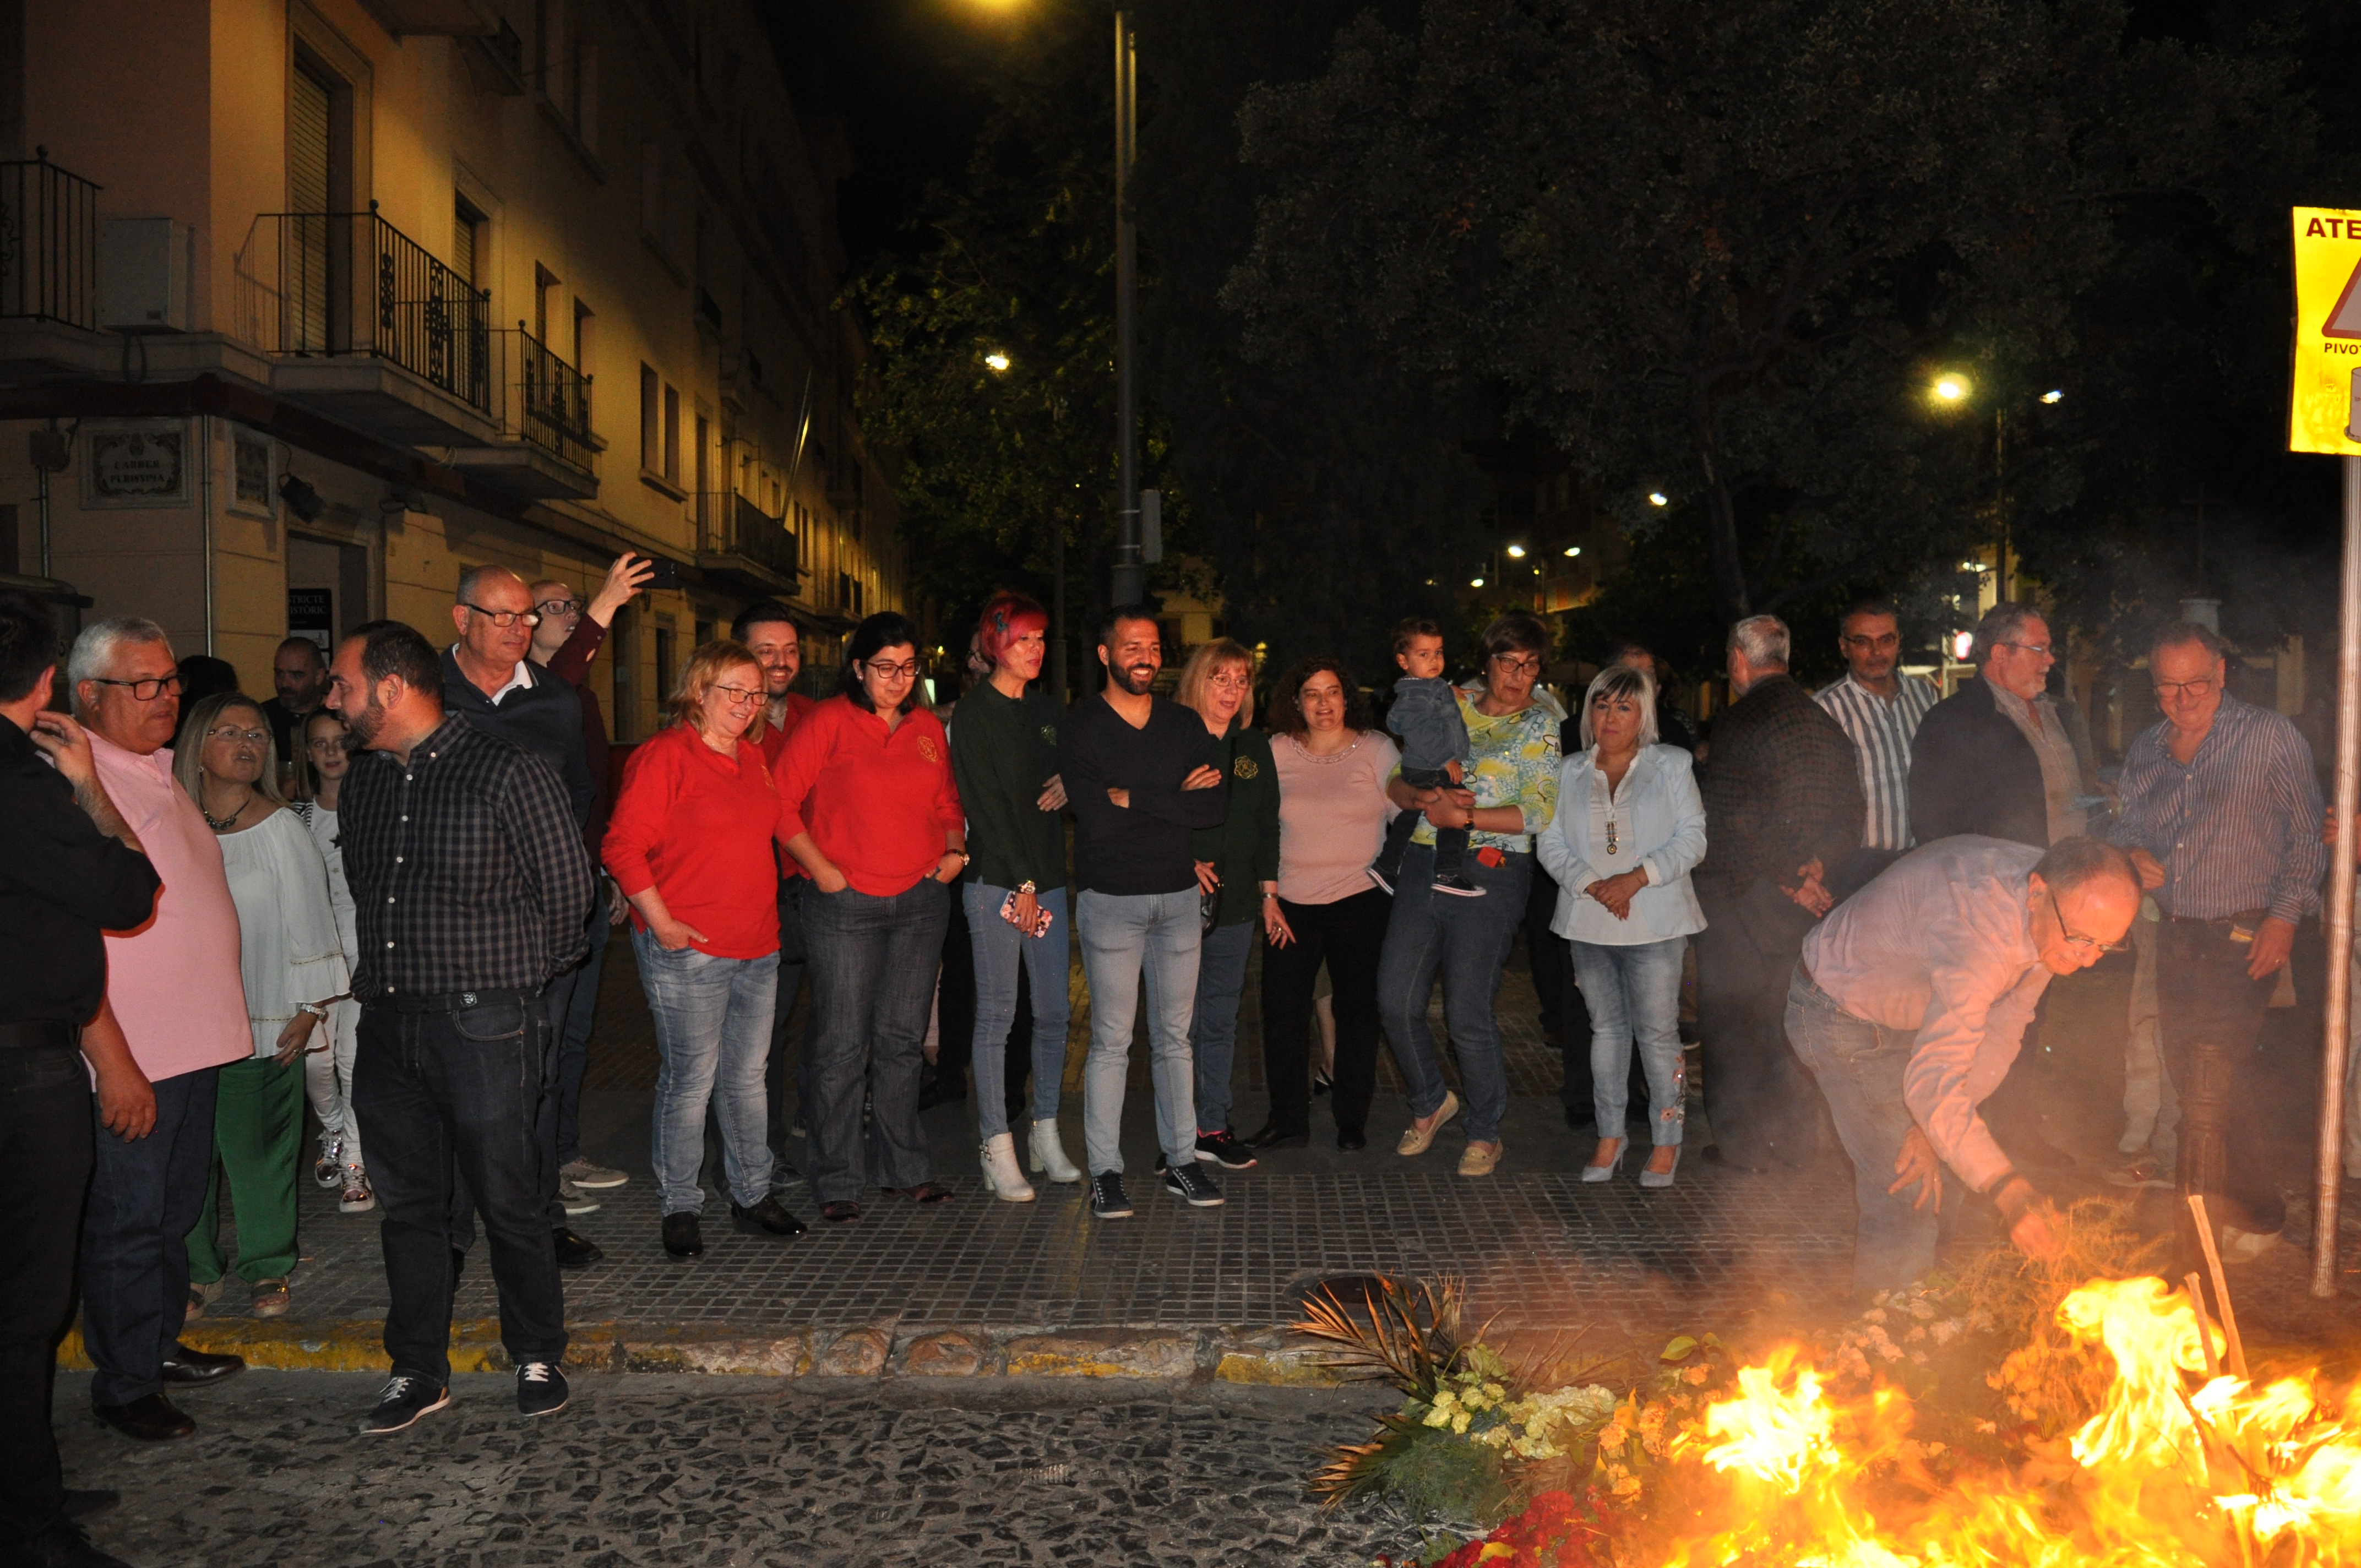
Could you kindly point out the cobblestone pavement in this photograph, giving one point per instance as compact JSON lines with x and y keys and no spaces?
{"x":733,"y":1473}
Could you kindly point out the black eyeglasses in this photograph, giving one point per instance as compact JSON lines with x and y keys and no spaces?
{"x":549,"y":607}
{"x":2088,"y":944}
{"x":146,"y":690}
{"x":502,"y":618}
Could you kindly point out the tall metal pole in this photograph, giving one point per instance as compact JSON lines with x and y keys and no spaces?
{"x":1130,"y":583}
{"x":2340,"y":876}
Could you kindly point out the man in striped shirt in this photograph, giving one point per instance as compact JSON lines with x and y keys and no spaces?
{"x":1879,"y":708}
{"x":2221,"y":815}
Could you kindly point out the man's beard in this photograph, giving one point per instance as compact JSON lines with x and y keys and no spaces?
{"x":1135,"y":678}
{"x":361,"y":728}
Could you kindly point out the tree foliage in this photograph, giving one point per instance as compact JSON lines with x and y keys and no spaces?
{"x":1720,"y":250}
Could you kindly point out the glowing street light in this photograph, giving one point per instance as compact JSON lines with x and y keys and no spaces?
{"x":1516,"y":551}
{"x":1951,"y":388}
{"x":1474,"y":582}
{"x":1658,"y":499}
{"x":1962,"y":644}
{"x":996,"y":362}
{"x":1574,"y":550}
{"x":2053,"y":396}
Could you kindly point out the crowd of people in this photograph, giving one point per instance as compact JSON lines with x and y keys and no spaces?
{"x":379,"y":891}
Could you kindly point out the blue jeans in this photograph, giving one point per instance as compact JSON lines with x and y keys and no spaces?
{"x":1154,"y":934}
{"x":145,"y":1195}
{"x":1214,"y":1037}
{"x":999,"y":948}
{"x":453,"y":1101}
{"x":713,"y":1037}
{"x":1860,"y":1066}
{"x":1466,"y":941}
{"x":1635,"y":993}
{"x":872,"y":963}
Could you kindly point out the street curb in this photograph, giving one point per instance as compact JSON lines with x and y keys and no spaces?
{"x":1270,"y":1357}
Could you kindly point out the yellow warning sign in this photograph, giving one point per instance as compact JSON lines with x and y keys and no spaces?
{"x":2323,"y":410}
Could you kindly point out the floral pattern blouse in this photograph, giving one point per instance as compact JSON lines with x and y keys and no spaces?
{"x":1515,"y":764}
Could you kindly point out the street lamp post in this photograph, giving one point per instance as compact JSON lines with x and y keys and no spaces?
{"x":1130,"y":575}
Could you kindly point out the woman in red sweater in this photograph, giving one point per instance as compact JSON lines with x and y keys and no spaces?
{"x":690,"y":844}
{"x":873,"y":817}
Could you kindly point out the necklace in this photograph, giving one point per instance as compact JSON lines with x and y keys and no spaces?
{"x":224,"y":824}
{"x":1324,"y":760}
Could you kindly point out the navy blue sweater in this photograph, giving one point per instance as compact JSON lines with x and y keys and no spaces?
{"x":545,"y":718}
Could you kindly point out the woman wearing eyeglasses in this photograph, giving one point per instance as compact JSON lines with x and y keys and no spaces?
{"x":690,"y":844}
{"x":874,"y":819}
{"x":1508,"y":794}
{"x":291,"y":962}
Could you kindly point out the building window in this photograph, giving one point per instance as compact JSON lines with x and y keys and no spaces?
{"x":651,"y":422}
{"x":568,"y":68}
{"x":672,"y":434}
{"x":585,"y":331}
{"x":547,"y":293}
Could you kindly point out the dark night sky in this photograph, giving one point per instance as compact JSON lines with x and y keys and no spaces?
{"x":911,"y":79}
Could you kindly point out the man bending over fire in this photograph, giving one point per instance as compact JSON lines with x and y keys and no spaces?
{"x":1909,"y":1004}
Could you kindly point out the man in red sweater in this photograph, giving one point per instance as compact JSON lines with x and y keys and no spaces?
{"x":768,"y":630}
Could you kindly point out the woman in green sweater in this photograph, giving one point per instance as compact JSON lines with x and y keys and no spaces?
{"x":1005,"y":760}
{"x":1237,"y":870}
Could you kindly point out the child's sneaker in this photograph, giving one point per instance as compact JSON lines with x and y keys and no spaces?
{"x":1458,"y":886}
{"x":1384,"y":879}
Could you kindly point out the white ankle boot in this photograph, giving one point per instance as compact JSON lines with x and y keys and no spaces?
{"x":1049,"y":1154}
{"x":1000,"y":1172}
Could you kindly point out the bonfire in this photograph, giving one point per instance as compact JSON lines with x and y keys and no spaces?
{"x":2113,"y":1429}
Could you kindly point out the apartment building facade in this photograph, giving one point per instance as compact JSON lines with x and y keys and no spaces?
{"x":308,"y":305}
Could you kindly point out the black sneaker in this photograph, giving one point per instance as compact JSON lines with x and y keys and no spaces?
{"x":573,"y":1251}
{"x":1192,"y":1186}
{"x":1224,"y":1149}
{"x":769,"y":1215}
{"x":1384,"y":879}
{"x":681,"y":1237}
{"x":1107,"y":1201}
{"x":540,"y":1389}
{"x":1458,"y":886}
{"x":403,"y":1399}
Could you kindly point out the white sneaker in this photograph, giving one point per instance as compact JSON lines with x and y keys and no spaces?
{"x":998,"y":1153}
{"x":1049,"y":1154}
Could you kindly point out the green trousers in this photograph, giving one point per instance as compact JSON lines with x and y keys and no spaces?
{"x":259,"y":1140}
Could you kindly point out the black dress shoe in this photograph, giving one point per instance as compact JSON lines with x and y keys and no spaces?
{"x":63,"y":1545}
{"x":682,"y":1237}
{"x":82,"y":1503}
{"x":573,"y":1252}
{"x":943,"y":1091}
{"x":152,"y":1418}
{"x":1275,"y":1138}
{"x":186,"y":1367}
{"x":1351,"y":1138}
{"x":769,"y":1215}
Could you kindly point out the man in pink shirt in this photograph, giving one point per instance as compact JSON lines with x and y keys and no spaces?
{"x":172,"y":986}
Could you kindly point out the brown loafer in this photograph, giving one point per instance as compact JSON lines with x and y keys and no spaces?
{"x":151,"y":1418}
{"x":839,"y":1213}
{"x":924,"y":1192}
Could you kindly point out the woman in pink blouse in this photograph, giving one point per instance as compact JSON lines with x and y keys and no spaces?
{"x":1333,"y":809}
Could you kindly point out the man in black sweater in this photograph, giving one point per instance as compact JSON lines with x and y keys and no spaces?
{"x":488,"y":677}
{"x":1134,"y":766}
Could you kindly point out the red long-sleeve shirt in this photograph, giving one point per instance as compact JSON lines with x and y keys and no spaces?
{"x":698,"y":827}
{"x":876,"y":802}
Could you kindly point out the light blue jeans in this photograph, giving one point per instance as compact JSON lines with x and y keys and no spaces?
{"x":713,"y":1040}
{"x":999,"y":948}
{"x":1634,"y":991}
{"x":1466,"y":941}
{"x":1124,"y":937}
{"x":1214,"y":1037}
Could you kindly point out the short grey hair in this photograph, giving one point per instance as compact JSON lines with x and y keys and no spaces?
{"x":1613,"y":683}
{"x":1763,"y":639}
{"x":93,"y":656}
{"x":2001,"y":624}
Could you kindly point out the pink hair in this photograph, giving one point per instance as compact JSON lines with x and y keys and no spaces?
{"x":1007,"y":618}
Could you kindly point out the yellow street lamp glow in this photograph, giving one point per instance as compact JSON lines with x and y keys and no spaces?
{"x":1658,"y":499}
{"x":2053,"y":396}
{"x":1574,"y":550}
{"x":1474,"y":582}
{"x":1950,"y":388}
{"x":996,"y":361}
{"x":1517,"y":551}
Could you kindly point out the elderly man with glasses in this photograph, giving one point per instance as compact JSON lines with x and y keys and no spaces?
{"x":1909,"y":1003}
{"x":2221,"y":814}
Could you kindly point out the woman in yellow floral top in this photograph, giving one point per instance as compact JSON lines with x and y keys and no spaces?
{"x":1508,"y":795}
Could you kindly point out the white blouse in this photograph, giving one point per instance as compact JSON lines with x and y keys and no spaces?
{"x":1653,"y":822}
{"x":322,"y":821}
{"x":288,"y":950}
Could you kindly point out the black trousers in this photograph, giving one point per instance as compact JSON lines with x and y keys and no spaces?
{"x":46,"y":1146}
{"x":1760,"y":1100}
{"x":2203,"y":993}
{"x":1546,"y":949}
{"x":1347,"y":936}
{"x":452,"y":1099}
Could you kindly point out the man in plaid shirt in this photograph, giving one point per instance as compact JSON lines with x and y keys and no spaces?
{"x":471,"y":887}
{"x":1782,"y":810}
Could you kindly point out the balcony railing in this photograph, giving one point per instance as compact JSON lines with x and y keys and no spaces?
{"x":49,"y":244}
{"x":745,"y":529}
{"x":553,"y":402}
{"x":350,"y":283}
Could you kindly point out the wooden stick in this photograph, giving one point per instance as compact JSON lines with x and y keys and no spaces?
{"x":2221,"y":1286}
{"x":2204,"y":1326}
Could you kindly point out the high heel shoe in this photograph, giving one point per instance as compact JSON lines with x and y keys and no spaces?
{"x":1320,"y":1083}
{"x":1660,"y":1178}
{"x":1607,"y":1172}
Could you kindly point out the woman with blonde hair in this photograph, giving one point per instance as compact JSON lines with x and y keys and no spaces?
{"x":1237,"y":880}
{"x":690,"y":844}
{"x":291,"y":962}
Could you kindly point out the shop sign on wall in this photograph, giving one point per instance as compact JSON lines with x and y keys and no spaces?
{"x":141,"y":463}
{"x":251,"y":490}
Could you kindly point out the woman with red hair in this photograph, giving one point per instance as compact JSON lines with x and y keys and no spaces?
{"x":1004,"y":760}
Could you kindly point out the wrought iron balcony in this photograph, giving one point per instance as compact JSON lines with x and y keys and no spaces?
{"x":49,"y":244}
{"x":740,"y":541}
{"x":551,"y":410}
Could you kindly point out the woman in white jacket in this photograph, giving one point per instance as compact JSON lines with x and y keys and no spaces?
{"x":1629,"y":827}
